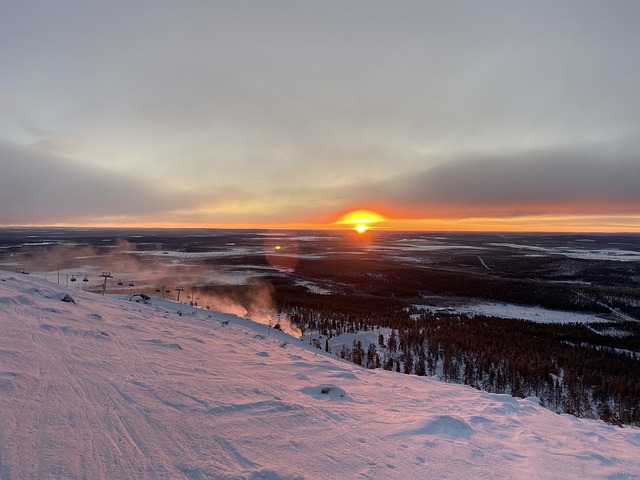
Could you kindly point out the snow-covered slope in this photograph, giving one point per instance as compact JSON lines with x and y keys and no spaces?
{"x":105,"y":388}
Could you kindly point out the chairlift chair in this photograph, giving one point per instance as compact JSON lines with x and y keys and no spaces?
{"x":120,"y":283}
{"x":73,"y":279}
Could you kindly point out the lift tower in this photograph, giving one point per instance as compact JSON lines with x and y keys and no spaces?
{"x":105,"y":275}
{"x":179,"y":290}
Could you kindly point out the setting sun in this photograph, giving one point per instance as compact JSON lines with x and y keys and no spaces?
{"x":361,"y":220}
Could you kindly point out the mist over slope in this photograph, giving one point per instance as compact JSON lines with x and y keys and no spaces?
{"x":106,"y":388}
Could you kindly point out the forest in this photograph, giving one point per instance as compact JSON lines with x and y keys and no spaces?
{"x":584,"y":370}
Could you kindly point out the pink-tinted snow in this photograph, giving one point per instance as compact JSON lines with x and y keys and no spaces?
{"x":105,"y":388}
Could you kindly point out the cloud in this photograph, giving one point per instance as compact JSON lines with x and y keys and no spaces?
{"x":252,"y":92}
{"x":531,"y":183}
{"x":40,"y":187}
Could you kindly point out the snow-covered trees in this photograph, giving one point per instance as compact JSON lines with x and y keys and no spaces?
{"x":568,"y":366}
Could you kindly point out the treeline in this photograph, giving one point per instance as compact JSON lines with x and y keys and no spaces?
{"x":571,"y":368}
{"x":378,"y":277}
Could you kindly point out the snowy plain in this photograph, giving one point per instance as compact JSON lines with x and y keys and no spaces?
{"x":516,"y":312}
{"x":106,"y":388}
{"x":609,"y":254}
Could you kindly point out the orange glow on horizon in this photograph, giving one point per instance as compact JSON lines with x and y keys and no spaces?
{"x":532,"y":223}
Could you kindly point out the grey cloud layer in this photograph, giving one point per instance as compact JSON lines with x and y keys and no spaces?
{"x":532,"y":182}
{"x":38,"y":187}
{"x":412,"y":71}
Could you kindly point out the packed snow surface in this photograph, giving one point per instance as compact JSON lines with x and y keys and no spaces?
{"x":104,"y":388}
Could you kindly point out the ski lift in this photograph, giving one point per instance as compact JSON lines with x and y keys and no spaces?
{"x":73,"y":278}
{"x":168,"y":290}
{"x":120,"y":283}
{"x":131,"y":284}
{"x":85,"y":279}
{"x":158,"y":290}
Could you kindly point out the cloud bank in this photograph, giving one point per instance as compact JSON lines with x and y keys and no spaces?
{"x":532,"y":183}
{"x":38,"y":187}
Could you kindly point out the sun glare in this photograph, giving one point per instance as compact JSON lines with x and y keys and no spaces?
{"x":361,"y":220}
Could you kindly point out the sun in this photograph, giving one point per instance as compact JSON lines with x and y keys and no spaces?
{"x":361,"y":220}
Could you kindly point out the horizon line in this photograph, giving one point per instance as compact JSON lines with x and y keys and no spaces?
{"x":321,"y":228}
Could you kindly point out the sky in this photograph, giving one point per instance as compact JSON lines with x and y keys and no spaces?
{"x":457,"y":115}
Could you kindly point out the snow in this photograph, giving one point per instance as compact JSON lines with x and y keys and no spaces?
{"x":611,"y":254}
{"x":313,"y":287}
{"x":105,"y":388}
{"x":191,"y":255}
{"x":408,"y":246}
{"x":517,"y":312}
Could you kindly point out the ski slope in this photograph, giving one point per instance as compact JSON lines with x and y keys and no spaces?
{"x":105,"y":388}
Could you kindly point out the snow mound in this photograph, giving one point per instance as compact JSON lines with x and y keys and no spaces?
{"x":161,"y":343}
{"x":68,"y":298}
{"x":326,"y":392}
{"x":450,"y":426}
{"x":16,"y":300}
